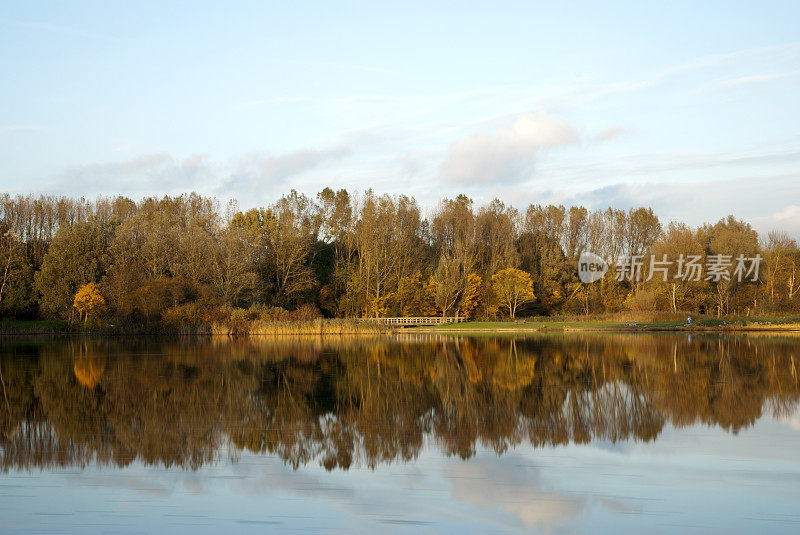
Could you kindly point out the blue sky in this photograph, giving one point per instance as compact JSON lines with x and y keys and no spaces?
{"x":690,"y":107}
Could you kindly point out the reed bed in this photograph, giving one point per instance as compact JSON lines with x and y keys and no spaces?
{"x":320,"y":326}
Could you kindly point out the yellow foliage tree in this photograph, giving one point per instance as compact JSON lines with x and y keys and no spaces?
{"x":415,"y":297}
{"x":89,"y":302}
{"x":473,"y":296}
{"x":428,"y":303}
{"x":513,"y":288}
{"x":377,"y":306}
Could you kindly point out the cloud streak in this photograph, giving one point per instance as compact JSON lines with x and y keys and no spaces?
{"x":252,"y":177}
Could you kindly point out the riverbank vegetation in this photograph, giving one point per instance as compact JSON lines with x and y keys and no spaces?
{"x":186,"y":264}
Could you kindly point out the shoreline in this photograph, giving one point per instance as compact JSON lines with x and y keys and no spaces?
{"x":638,"y":323}
{"x":452,"y":329}
{"x":621,"y":329}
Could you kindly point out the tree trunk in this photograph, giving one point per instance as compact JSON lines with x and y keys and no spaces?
{"x":674,"y":291}
{"x":5,"y":272}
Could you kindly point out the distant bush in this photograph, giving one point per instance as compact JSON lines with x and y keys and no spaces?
{"x":641,"y":301}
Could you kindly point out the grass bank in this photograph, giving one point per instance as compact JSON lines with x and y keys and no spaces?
{"x":626,"y":322}
{"x":315,"y":327}
{"x":247,"y":326}
{"x":8,"y":326}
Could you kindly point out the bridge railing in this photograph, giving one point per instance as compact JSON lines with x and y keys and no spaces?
{"x":419,"y":320}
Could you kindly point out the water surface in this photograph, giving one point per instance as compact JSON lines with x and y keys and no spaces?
{"x":546,"y":433}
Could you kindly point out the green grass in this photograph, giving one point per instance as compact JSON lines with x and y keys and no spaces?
{"x":11,"y":326}
{"x":620,"y":321}
{"x":612,"y":323}
{"x":523,"y":325}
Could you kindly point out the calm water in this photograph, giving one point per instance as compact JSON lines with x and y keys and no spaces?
{"x":553,"y":434}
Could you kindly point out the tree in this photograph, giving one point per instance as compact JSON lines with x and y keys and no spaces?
{"x":542,"y":255}
{"x":496,"y":233}
{"x":415,"y":297}
{"x":77,"y":256}
{"x":680,"y":292}
{"x":293,"y":225}
{"x":8,"y":250}
{"x":473,"y":297}
{"x":780,"y":252}
{"x":89,"y":302}
{"x":235,"y":265}
{"x":730,"y":237}
{"x":18,"y":297}
{"x":454,"y":234}
{"x":643,"y":230}
{"x":513,"y":287}
{"x":448,"y":277}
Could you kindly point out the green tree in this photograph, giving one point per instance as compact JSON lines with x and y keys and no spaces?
{"x":18,"y":297}
{"x":78,"y":255}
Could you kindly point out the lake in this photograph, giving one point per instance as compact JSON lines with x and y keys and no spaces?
{"x":551,"y":433}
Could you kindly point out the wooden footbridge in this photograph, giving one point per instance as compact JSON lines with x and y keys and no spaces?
{"x":416,"y":321}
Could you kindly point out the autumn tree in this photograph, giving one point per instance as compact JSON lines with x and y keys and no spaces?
{"x":780,"y":268}
{"x":541,"y":253}
{"x":453,"y":232}
{"x":415,"y":297}
{"x":496,"y":234}
{"x":730,"y":237}
{"x":253,"y":228}
{"x":78,"y":255}
{"x":89,"y":302}
{"x":374,"y":269}
{"x":643,"y":229}
{"x":337,"y":231}
{"x":18,"y":297}
{"x":293,"y":225}
{"x":448,"y":279}
{"x":473,"y":297}
{"x":679,"y":291}
{"x":513,"y":287}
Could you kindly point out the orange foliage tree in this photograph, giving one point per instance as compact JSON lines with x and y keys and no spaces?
{"x":89,"y":302}
{"x":473,"y":296}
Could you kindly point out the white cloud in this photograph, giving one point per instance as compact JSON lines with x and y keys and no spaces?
{"x":252,"y":177}
{"x":146,"y":174}
{"x":18,"y":129}
{"x":510,"y":484}
{"x":752,"y":198}
{"x":508,"y":155}
{"x":611,"y":133}
{"x":792,"y":420}
{"x":253,"y":172}
{"x":787,"y":220}
{"x":748,"y":80}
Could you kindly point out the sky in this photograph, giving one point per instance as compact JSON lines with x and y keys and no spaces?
{"x":691,"y":108}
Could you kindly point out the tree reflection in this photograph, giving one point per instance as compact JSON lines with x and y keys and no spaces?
{"x":367,"y":401}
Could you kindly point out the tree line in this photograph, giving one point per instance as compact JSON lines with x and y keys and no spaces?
{"x":363,"y":255}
